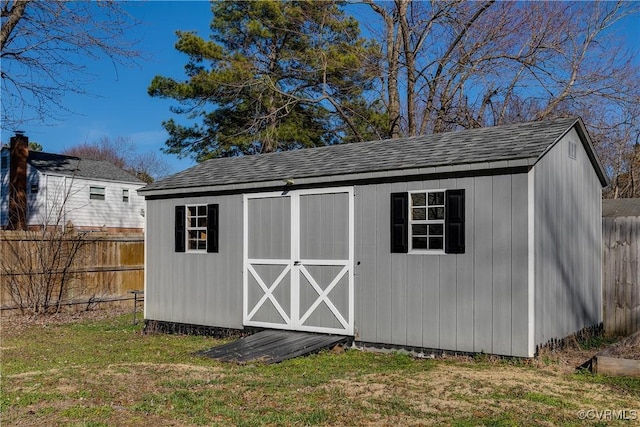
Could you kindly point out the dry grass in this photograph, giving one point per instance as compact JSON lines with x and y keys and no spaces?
{"x":94,"y":369}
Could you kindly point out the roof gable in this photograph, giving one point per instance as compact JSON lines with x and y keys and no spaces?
{"x":59,"y":164}
{"x":483,"y":147}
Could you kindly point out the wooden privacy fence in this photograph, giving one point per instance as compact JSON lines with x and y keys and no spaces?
{"x":92,"y":266}
{"x":621,"y":274}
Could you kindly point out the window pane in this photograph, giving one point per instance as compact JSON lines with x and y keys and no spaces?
{"x":418,"y":214}
{"x":193,"y":244}
{"x":436,"y":198}
{"x":435,"y":243}
{"x":192,"y":211}
{"x":202,"y":221}
{"x":193,"y":234}
{"x":419,"y":242}
{"x":436,"y":229}
{"x":202,"y":244}
{"x":96,"y":193}
{"x":418,"y":199}
{"x":193,"y":222}
{"x":419,"y":229}
{"x":436,"y":213}
{"x":202,"y":210}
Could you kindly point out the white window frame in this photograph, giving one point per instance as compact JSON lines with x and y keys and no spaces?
{"x":197,"y":228}
{"x":125,"y":195}
{"x":426,"y":221}
{"x":100,"y":194}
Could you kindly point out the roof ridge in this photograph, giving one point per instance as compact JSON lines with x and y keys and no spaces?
{"x":488,"y":145}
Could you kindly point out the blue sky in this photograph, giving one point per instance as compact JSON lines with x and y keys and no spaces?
{"x":121,"y":107}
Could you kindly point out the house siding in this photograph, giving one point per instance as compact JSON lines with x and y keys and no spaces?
{"x":111,"y":212}
{"x":568,"y":242}
{"x":476,"y":301}
{"x":194,"y":288}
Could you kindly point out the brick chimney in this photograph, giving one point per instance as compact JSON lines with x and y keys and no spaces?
{"x":18,"y":153}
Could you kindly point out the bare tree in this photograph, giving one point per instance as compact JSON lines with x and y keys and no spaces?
{"x":44,"y":46}
{"x":37,"y":264}
{"x":121,"y":151}
{"x":460,"y":64}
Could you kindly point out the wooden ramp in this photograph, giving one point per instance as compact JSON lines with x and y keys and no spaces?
{"x":273,"y":346}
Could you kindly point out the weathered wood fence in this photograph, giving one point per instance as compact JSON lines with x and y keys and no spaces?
{"x":621,"y":274}
{"x":105,"y":266}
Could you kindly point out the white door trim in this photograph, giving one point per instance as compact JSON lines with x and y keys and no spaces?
{"x":296,"y":267}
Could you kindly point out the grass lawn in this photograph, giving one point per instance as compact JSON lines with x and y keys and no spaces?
{"x":105,"y":372}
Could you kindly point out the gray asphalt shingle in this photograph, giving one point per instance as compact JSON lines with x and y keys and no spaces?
{"x":510,"y":142}
{"x":78,"y":167}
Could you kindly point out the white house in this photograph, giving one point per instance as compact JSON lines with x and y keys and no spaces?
{"x":55,"y":190}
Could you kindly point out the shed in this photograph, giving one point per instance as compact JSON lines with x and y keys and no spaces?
{"x":483,"y":240}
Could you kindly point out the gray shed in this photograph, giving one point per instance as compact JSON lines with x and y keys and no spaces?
{"x":483,"y":240}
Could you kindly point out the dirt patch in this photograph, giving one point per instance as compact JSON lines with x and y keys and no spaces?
{"x":14,"y":323}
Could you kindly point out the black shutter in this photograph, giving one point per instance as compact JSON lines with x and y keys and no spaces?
{"x":454,"y":222}
{"x":399,"y":222}
{"x":180,"y":238}
{"x":212,"y":228}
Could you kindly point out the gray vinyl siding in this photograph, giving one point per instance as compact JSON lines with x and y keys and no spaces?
{"x":568,"y":242}
{"x":476,"y":301}
{"x":194,"y":288}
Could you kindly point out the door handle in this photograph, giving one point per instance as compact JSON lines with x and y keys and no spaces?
{"x":297,"y":263}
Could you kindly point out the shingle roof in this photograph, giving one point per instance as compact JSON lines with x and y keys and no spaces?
{"x":620,"y":207}
{"x":78,"y":167}
{"x":474,"y":146}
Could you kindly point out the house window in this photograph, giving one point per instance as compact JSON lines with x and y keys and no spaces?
{"x":34,"y":188}
{"x":96,"y":193}
{"x":4,"y":163}
{"x":125,"y":196}
{"x":426,"y":221}
{"x":196,"y":228}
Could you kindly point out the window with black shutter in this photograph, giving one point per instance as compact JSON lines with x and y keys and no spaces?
{"x":196,"y":228}
{"x":429,"y":221}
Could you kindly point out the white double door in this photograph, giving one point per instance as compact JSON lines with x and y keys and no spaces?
{"x":298,"y":260}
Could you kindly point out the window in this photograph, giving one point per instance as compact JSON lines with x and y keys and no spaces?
{"x":4,"y":163}
{"x":429,"y":221}
{"x":96,"y":193}
{"x":125,"y":196}
{"x":34,"y":188}
{"x":196,"y":228}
